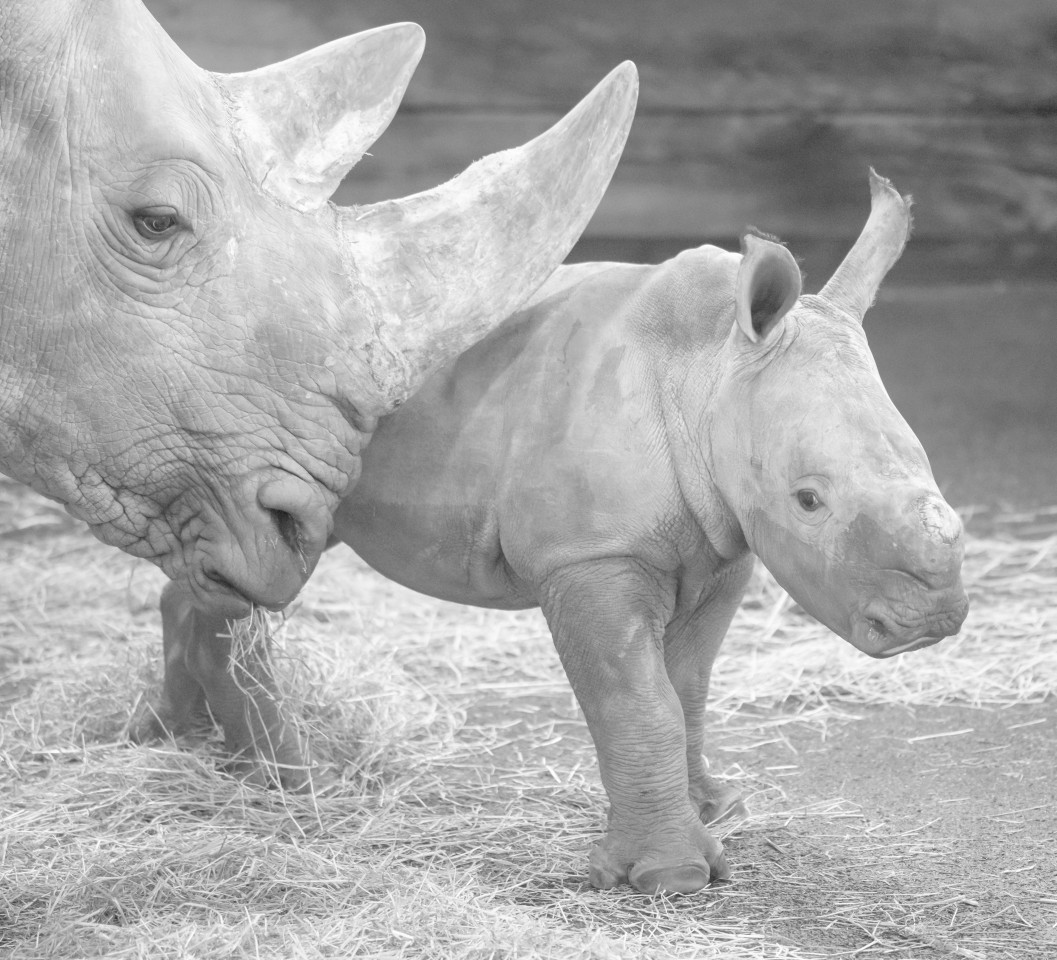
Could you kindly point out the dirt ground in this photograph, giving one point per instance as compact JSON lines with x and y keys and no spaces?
{"x":966,"y":800}
{"x":959,"y":805}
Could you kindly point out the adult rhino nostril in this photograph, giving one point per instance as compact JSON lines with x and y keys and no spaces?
{"x":299,"y":515}
{"x":290,"y":530}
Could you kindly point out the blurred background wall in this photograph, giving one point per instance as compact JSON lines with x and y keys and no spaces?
{"x":769,"y":112}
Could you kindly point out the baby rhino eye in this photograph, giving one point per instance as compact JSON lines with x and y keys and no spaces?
{"x":809,"y":500}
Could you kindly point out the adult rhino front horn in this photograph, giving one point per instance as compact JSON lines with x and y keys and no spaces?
{"x":196,"y":343}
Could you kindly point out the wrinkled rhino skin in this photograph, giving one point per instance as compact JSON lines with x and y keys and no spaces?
{"x":196,"y":343}
{"x":616,"y":453}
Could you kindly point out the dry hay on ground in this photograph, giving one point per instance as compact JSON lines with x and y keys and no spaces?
{"x":465,"y":793}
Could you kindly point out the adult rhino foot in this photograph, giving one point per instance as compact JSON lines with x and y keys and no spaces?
{"x":286,"y":765}
{"x":684,"y":861}
{"x":288,"y":777}
{"x":145,"y":724}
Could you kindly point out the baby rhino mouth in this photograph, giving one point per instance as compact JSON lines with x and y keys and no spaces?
{"x":880,"y":635}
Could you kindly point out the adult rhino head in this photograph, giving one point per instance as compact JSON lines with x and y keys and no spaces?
{"x":196,"y":343}
{"x":828,"y":482}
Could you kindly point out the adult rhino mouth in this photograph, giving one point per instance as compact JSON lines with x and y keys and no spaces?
{"x":216,"y":593}
{"x":266,"y":552}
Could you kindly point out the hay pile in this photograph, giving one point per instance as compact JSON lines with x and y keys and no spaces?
{"x":460,"y":792}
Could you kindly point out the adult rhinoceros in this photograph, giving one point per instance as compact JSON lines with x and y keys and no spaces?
{"x":195,"y":343}
{"x":616,"y":453}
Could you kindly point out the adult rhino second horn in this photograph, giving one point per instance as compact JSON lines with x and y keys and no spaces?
{"x":441,"y":267}
{"x":854,"y":285}
{"x":305,"y":122}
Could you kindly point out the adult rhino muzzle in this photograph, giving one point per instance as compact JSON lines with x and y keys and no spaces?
{"x":276,"y":529}
{"x":196,"y":343}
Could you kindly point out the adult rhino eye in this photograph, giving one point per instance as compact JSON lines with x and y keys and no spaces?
{"x":153,"y":225}
{"x":809,"y":500}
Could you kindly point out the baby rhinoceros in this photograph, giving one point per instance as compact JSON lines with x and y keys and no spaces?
{"x":617,"y":452}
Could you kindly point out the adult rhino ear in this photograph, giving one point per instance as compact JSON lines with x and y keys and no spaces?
{"x":436,"y":271}
{"x":854,"y":285}
{"x":766,"y":288}
{"x":304,"y":122}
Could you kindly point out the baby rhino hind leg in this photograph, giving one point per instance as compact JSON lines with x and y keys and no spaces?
{"x":690,"y":648}
{"x":202,"y":685}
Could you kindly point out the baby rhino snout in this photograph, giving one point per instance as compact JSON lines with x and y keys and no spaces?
{"x":940,"y":521}
{"x":934,"y":549}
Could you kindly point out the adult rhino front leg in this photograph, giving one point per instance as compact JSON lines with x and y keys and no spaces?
{"x":202,"y":683}
{"x":180,"y":706}
{"x":691,"y":644}
{"x":608,"y":619}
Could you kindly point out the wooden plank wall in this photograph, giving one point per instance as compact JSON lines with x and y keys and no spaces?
{"x":764,"y":112}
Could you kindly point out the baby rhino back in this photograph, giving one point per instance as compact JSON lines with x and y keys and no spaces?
{"x":543,"y":445}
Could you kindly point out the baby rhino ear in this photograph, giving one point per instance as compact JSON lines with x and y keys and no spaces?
{"x":768,"y":285}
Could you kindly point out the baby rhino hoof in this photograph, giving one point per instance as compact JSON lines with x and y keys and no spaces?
{"x":728,"y":805}
{"x":678,"y":878}
{"x":685,"y":869}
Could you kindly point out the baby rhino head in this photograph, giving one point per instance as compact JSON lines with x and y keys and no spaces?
{"x":829,"y":484}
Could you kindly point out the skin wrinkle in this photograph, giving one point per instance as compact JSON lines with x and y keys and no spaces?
{"x":688,"y":373}
{"x":317,"y":457}
{"x":145,"y":515}
{"x":126,"y":511}
{"x":677,"y":429}
{"x":319,"y":399}
{"x":152,"y":270}
{"x":248,"y":396}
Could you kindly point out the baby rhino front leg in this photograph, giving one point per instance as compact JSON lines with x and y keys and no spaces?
{"x":608,"y":620}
